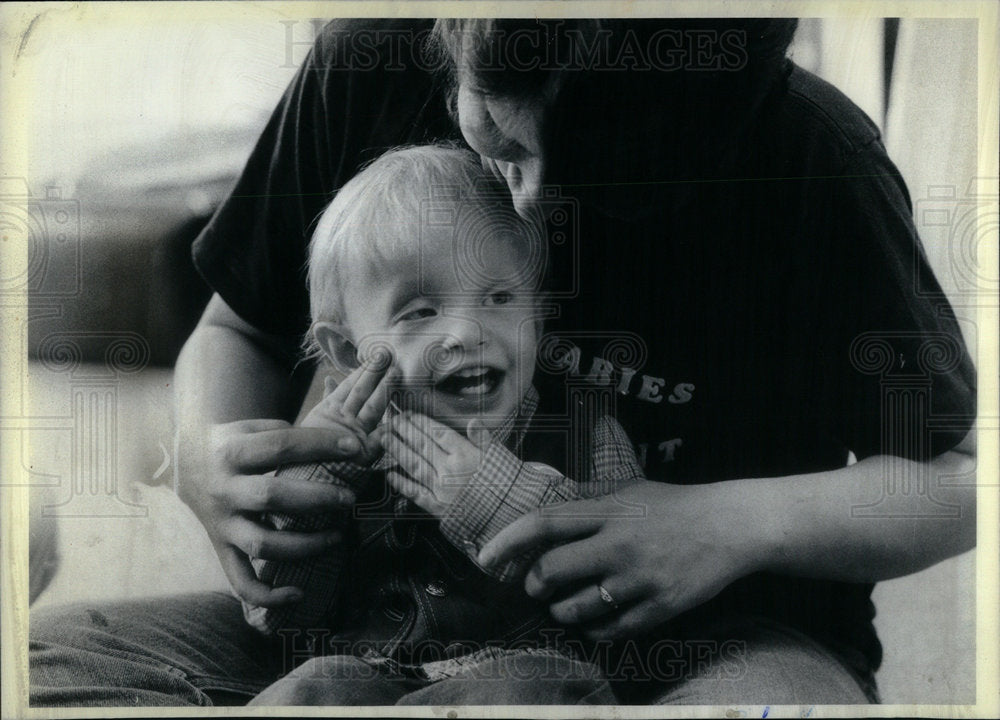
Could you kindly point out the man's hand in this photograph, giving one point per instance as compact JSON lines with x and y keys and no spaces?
{"x":437,"y":462}
{"x":226,"y":477}
{"x":656,"y":549}
{"x":228,"y":482}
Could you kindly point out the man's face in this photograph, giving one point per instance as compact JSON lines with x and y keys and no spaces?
{"x":507,"y":133}
{"x":463,"y":342}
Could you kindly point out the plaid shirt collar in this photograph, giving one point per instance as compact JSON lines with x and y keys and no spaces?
{"x":512,"y":430}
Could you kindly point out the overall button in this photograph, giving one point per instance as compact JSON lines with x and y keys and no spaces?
{"x":437,"y":588}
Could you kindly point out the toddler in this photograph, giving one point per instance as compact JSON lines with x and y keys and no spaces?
{"x":424,"y":284}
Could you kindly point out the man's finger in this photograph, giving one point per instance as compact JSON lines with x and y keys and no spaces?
{"x":244,"y":581}
{"x":265,"y":450}
{"x":630,"y":622}
{"x":588,"y":605}
{"x":259,"y":542}
{"x":267,"y":493}
{"x":535,"y":530}
{"x":581,"y":559}
{"x":252,"y":425}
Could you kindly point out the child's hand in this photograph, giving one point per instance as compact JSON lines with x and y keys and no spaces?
{"x":438,"y":462}
{"x":357,"y":404}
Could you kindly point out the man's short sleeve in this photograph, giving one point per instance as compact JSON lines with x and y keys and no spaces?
{"x":902,"y":381}
{"x":365,"y":87}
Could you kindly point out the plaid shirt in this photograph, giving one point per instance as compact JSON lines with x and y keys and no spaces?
{"x":503,"y":489}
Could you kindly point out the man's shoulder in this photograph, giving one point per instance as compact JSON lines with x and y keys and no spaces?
{"x":813,"y":97}
{"x":368,"y":40}
{"x":815,"y":122}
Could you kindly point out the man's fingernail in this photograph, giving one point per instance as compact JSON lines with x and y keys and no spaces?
{"x":485,"y":559}
{"x":296,"y":595}
{"x":348,"y":444}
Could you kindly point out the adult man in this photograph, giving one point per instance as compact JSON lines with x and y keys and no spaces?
{"x":743,"y":280}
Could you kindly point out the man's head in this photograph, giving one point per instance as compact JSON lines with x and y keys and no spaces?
{"x":421,"y":257}
{"x":585,"y":102}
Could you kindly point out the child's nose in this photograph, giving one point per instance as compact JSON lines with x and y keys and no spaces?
{"x":458,"y":339}
{"x":462,"y":334}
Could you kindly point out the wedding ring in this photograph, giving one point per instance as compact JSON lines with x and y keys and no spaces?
{"x":607,"y":597}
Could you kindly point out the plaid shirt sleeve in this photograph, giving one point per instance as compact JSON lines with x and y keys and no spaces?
{"x":318,"y":577}
{"x":504,"y":488}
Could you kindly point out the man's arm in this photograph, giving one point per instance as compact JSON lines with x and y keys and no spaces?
{"x":224,"y":358}
{"x":695,"y":540}
{"x":816,"y":530}
{"x":235,"y":392}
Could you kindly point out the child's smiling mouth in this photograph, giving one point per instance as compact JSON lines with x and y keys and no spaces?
{"x":470,"y":382}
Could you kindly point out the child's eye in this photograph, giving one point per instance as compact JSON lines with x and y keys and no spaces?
{"x":498,"y":298}
{"x":419,"y":314}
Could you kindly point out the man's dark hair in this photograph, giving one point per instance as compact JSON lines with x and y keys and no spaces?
{"x":513,"y":56}
{"x":695,"y":84}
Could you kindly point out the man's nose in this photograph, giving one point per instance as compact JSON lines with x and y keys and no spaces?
{"x":527,"y":195}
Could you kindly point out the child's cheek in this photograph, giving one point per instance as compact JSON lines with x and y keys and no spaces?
{"x":414,"y":359}
{"x":376,"y":347}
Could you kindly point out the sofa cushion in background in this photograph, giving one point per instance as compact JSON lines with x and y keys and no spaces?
{"x":122,"y":262}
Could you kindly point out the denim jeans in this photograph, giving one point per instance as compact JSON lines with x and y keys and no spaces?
{"x":197,"y":650}
{"x":517,"y":679}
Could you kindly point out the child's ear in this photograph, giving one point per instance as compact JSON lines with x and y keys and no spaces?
{"x":336,"y":345}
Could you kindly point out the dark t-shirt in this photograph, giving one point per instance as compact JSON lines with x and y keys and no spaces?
{"x":763,"y":321}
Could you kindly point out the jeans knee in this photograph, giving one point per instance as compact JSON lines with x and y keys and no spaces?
{"x":334,"y":667}
{"x":330,"y":680}
{"x":74,"y":625}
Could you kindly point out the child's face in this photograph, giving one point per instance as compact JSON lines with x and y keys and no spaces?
{"x":460,"y":321}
